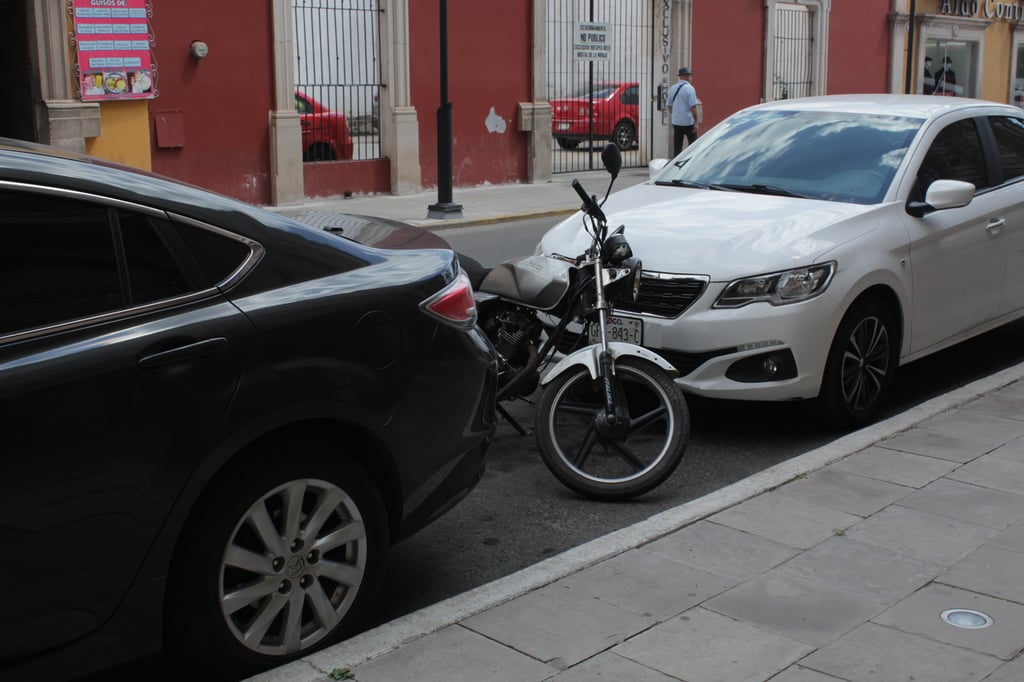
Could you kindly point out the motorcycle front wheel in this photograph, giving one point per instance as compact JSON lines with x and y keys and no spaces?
{"x":624,"y":466}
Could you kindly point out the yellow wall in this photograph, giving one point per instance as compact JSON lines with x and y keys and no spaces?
{"x":998,"y":58}
{"x":124,"y":134}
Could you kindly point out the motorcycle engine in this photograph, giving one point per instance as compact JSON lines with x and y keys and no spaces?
{"x":515,"y":330}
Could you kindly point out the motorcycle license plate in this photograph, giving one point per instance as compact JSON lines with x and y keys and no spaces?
{"x":624,"y":329}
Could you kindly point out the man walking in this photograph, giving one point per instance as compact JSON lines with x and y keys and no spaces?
{"x":682,"y":108}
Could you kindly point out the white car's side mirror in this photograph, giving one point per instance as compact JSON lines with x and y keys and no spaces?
{"x":941,"y":195}
{"x":655,"y":165}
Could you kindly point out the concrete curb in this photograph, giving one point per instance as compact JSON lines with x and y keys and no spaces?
{"x":390,"y":636}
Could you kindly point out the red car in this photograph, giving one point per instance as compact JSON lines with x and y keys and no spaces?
{"x":616,"y":108}
{"x":325,"y":133}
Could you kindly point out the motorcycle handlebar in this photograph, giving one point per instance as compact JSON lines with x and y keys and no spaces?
{"x":590,"y":206}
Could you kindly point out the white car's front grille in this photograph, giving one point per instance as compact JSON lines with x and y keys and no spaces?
{"x":665,"y":294}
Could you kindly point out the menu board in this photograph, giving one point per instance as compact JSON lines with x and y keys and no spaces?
{"x":114,"y":57}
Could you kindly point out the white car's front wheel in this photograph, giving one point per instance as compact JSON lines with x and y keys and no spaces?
{"x":861,"y":363}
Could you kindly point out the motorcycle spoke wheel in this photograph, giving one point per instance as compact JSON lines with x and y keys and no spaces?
{"x":602,"y":466}
{"x":586,"y":447}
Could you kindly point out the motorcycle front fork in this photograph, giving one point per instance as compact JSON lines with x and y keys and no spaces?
{"x":614,"y":421}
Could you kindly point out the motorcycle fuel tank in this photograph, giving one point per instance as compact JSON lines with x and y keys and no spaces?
{"x":535,"y":281}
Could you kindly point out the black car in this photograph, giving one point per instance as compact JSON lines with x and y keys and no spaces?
{"x":214,"y":419}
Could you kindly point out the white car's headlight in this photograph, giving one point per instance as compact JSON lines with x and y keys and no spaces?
{"x":778,"y":288}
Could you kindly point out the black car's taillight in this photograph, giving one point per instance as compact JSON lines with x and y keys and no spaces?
{"x":453,"y":305}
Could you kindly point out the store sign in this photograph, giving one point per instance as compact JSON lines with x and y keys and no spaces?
{"x":114,"y":57}
{"x":591,"y":42}
{"x":1010,"y":11}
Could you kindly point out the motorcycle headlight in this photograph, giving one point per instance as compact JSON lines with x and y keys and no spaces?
{"x":616,"y":249}
{"x":627,"y":288}
{"x":778,"y":288}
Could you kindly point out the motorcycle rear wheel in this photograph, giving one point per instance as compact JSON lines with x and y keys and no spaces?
{"x":602,"y":467}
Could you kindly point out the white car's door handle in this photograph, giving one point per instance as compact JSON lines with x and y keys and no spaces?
{"x":995,"y":224}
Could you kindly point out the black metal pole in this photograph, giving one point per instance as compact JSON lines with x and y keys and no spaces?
{"x":590,"y":109}
{"x":910,"y":47}
{"x":444,"y":207}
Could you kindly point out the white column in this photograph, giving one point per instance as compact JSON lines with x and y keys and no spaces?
{"x":900,"y":50}
{"x":60,"y":119}
{"x":534,"y":117}
{"x":286,"y":176}
{"x":399,"y":125}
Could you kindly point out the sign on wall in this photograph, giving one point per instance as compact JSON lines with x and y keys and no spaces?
{"x":112,"y":41}
{"x":591,"y":42}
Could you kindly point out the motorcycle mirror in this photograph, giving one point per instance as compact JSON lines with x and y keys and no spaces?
{"x":611,"y":157}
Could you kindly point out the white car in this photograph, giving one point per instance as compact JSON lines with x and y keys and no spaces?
{"x":806,"y":248}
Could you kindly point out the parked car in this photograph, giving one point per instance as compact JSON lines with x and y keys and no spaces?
{"x":325,"y":133}
{"x":805,"y":248}
{"x":214,"y":419}
{"x":616,"y":111}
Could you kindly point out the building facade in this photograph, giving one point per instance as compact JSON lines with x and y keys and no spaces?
{"x":978,"y":42}
{"x":222,"y":113}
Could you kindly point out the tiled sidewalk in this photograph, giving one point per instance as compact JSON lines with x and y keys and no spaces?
{"x":835,"y":565}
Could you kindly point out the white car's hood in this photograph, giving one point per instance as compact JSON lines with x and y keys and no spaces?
{"x":721,"y":234}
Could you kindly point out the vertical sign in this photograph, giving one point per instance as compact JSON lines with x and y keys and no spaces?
{"x":591,"y":42}
{"x":114,"y":57}
{"x":666,"y":56}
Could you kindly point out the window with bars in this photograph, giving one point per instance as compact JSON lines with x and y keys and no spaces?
{"x":794,"y":51}
{"x":337,"y":45}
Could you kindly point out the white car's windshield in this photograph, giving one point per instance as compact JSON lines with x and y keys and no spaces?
{"x":812,"y":154}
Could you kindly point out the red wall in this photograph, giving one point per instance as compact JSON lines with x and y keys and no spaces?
{"x":728,"y":52}
{"x":728,"y":56}
{"x":488,"y":66}
{"x":219,"y":103}
{"x":858,"y":46}
{"x":333,"y":178}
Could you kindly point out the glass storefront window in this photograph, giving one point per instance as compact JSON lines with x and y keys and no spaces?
{"x":950,"y":67}
{"x":1017,"y":86}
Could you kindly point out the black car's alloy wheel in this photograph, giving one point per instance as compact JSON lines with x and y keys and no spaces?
{"x":289,"y":557}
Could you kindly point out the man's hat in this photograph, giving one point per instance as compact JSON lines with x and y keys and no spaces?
{"x":685,"y":71}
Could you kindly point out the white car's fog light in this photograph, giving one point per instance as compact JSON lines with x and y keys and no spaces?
{"x":773,"y":366}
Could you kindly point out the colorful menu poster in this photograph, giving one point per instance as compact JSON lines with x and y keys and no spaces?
{"x":114,"y":57}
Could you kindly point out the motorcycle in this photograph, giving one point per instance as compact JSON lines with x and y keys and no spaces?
{"x":611,"y":424}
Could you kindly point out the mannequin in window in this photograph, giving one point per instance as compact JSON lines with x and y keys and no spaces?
{"x":928,"y":83}
{"x":945,"y":79}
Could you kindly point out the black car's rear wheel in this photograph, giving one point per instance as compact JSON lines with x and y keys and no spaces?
{"x":285,"y":558}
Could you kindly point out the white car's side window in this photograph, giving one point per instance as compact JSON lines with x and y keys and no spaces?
{"x":956,"y":154}
{"x":1009,"y":134}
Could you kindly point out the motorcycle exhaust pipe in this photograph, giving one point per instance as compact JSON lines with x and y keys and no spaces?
{"x":531,"y":366}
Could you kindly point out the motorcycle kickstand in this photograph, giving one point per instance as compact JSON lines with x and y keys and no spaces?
{"x":511,"y":420}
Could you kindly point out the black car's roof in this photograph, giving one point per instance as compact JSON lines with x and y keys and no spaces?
{"x":30,"y":163}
